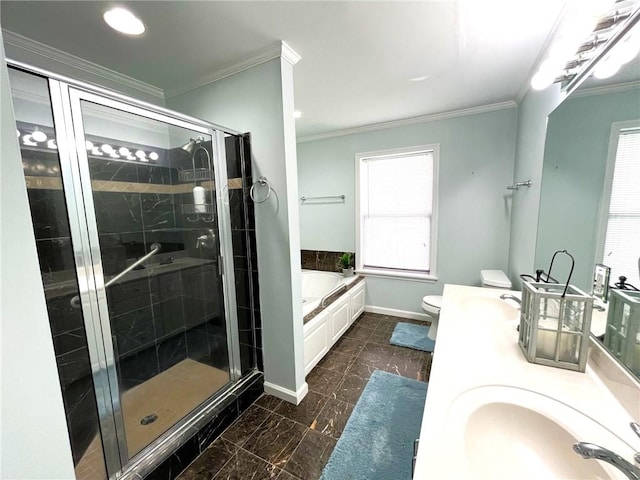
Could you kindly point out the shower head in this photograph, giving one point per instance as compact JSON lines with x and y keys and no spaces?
{"x":190,"y":146}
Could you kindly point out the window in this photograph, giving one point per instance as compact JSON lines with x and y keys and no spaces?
{"x":396,"y":211}
{"x":622,"y":238}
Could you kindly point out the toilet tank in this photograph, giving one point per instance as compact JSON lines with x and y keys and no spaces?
{"x":494,"y":279}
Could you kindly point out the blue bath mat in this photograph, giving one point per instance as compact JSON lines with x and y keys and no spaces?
{"x":412,"y":336}
{"x":377,"y":442}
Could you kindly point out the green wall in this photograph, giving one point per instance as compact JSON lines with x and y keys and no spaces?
{"x":533,"y":110}
{"x":476,"y":164}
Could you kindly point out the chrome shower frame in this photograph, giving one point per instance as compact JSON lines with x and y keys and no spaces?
{"x":66,"y":97}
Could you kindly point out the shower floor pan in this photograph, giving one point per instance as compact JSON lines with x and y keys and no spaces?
{"x":170,"y":396}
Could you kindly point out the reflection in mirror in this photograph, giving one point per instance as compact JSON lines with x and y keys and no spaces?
{"x":590,"y":194}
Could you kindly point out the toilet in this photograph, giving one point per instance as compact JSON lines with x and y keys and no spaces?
{"x":432,"y":304}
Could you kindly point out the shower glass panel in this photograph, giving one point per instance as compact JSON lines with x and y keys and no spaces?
{"x":153,"y":193}
{"x":42,"y":172}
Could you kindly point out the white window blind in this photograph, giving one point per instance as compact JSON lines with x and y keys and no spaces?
{"x":622,"y":240}
{"x":396,"y":193}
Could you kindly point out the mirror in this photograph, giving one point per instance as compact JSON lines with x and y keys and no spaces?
{"x":591,"y":130}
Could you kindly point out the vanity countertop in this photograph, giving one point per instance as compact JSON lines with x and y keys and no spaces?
{"x":477,"y":345}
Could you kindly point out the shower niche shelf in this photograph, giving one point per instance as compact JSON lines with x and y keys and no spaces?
{"x":195,"y":175}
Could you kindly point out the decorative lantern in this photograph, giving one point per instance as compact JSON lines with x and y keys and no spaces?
{"x":555,"y":322}
{"x":622,"y":336}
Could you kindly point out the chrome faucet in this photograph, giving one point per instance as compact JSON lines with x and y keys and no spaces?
{"x":207,"y":239}
{"x":506,"y":296}
{"x":590,"y":450}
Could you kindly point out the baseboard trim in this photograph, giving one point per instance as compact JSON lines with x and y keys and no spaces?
{"x":286,"y":394}
{"x":396,"y":313}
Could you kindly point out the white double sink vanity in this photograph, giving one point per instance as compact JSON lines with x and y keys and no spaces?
{"x":490,"y":414}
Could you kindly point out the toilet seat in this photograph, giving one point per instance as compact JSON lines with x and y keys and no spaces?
{"x":432,"y":304}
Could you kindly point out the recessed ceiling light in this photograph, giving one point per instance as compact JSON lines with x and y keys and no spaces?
{"x":124,"y":21}
{"x":297,"y":114}
{"x":419,"y":79}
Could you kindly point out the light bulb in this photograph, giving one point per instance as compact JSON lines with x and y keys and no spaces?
{"x":123,"y":21}
{"x":563,"y":49}
{"x":124,"y":151}
{"x":140,"y":154}
{"x":628,"y":48}
{"x":606,"y":68}
{"x":89,"y":145}
{"x":26,"y":139}
{"x":546,"y":74}
{"x":153,"y":156}
{"x":106,"y":148}
{"x":39,"y":136}
{"x":18,"y":132}
{"x":52,"y":144}
{"x":96,"y":151}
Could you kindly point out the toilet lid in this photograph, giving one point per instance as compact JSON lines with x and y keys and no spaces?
{"x":434,"y":301}
{"x":495,"y":278}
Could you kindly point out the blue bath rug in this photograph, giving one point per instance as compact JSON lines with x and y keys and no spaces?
{"x":377,"y":442}
{"x":412,"y":336}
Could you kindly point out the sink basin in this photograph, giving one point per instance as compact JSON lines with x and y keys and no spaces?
{"x":507,"y":433}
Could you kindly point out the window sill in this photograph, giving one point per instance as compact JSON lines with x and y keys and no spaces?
{"x":417,"y":277}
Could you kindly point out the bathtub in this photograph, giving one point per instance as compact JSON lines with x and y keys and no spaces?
{"x":323,"y":329}
{"x":315,"y":285}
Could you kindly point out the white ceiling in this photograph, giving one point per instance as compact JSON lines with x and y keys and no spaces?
{"x":357,"y":57}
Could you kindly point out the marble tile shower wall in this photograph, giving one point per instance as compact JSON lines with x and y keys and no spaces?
{"x":322,"y":260}
{"x":158,"y":319}
{"x":244,"y":250}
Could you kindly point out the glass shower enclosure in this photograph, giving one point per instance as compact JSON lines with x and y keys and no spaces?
{"x":130,"y":210}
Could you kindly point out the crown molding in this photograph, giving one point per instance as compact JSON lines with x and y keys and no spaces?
{"x":289,"y":54}
{"x":409,"y":121}
{"x":277,"y":50}
{"x":603,"y":90}
{"x":28,"y":45}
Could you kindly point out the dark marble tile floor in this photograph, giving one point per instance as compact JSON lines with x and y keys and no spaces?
{"x":276,"y":440}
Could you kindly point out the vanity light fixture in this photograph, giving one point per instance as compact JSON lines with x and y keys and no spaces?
{"x":297,"y":114}
{"x":590,"y":36}
{"x":123,"y":21}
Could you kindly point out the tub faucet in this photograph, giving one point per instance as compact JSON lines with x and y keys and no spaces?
{"x":506,"y":296}
{"x":590,"y":450}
